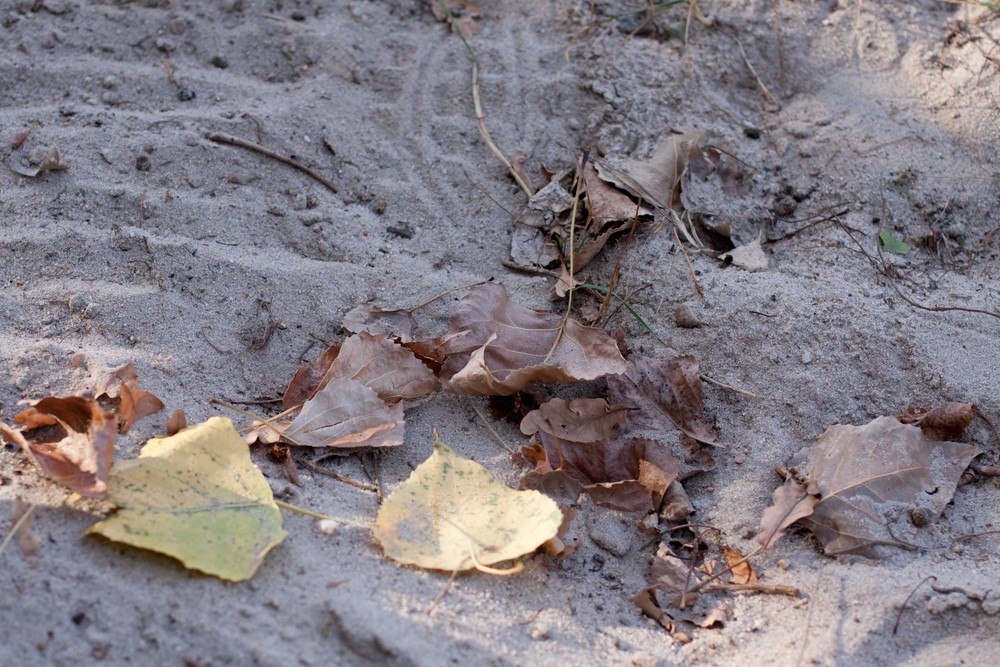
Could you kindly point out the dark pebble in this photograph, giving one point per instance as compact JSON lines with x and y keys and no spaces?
{"x":186,"y":94}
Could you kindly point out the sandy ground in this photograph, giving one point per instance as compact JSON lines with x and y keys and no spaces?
{"x":161,"y":248}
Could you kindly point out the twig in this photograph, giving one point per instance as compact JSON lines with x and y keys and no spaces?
{"x":694,"y":278}
{"x":778,"y":589}
{"x":257,"y":148}
{"x":489,"y":426}
{"x":727,"y":387}
{"x":485,"y":133}
{"x":902,"y":607}
{"x":531,"y":270}
{"x":768,"y":95}
{"x":801,"y":229}
{"x":317,"y":515}
{"x":444,"y":591}
{"x":16,"y":527}
{"x":309,"y":465}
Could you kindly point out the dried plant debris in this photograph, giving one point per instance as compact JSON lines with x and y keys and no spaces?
{"x":196,"y":497}
{"x":947,"y":421}
{"x":656,"y":180}
{"x":857,"y":487}
{"x":749,"y":256}
{"x":130,"y":401}
{"x":666,"y":394}
{"x":72,"y":440}
{"x":495,"y":347}
{"x":627,"y":474}
{"x":52,"y":161}
{"x":396,"y":324}
{"x":464,"y":13}
{"x":579,"y":420}
{"x":452,"y":514}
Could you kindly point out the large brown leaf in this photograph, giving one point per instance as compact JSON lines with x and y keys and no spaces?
{"x":656,"y":180}
{"x":71,"y":439}
{"x":664,"y":394}
{"x":579,"y":420}
{"x":865,"y":477}
{"x":495,"y":347}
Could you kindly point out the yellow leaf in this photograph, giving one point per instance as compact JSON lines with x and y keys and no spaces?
{"x":196,"y":496}
{"x":452,"y":514}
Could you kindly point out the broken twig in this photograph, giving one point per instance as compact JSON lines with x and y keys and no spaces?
{"x":257,"y":148}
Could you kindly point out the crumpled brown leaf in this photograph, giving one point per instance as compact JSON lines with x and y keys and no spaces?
{"x":375,"y":361}
{"x":132,"y":402}
{"x":862,"y":477}
{"x":664,"y":394}
{"x":495,"y":347}
{"x":579,"y":420}
{"x":606,"y":203}
{"x":72,"y":440}
{"x":671,"y":600}
{"x":464,"y":12}
{"x":51,"y":162}
{"x":347,"y":414}
{"x":630,"y":474}
{"x":397,"y":324}
{"x":749,"y":256}
{"x":656,"y":180}
{"x":947,"y":421}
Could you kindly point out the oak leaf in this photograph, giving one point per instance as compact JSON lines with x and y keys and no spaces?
{"x":72,"y":440}
{"x":452,"y":514}
{"x":197,"y":497}
{"x":494,"y":347}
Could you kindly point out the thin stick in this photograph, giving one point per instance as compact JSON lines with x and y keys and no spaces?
{"x":760,"y":84}
{"x":485,"y":133}
{"x":17,"y":526}
{"x":257,"y":418}
{"x":444,"y":591}
{"x":257,"y":148}
{"x":531,"y":270}
{"x":317,"y":515}
{"x":335,"y":475}
{"x":489,"y":426}
{"x":902,"y":607}
{"x":694,"y":278}
{"x":727,"y":387}
{"x":778,"y":589}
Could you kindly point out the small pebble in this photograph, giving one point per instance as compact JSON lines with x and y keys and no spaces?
{"x":327,"y":526}
{"x":685,"y":318}
{"x":186,"y":94}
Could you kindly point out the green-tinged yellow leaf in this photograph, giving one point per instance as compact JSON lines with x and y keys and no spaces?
{"x":196,"y":496}
{"x":452,"y":514}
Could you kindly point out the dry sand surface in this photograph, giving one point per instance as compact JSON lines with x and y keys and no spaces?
{"x":216,"y":271}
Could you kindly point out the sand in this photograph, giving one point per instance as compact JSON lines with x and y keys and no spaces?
{"x":216,"y":271}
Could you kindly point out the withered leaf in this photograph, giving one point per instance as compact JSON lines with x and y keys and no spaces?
{"x":658,"y":179}
{"x":28,"y":540}
{"x":742,"y":572}
{"x":865,"y":474}
{"x":749,"y":256}
{"x":134,"y":403}
{"x":51,"y":162}
{"x":945,"y":422}
{"x":494,"y":347}
{"x":666,"y":393}
{"x":608,"y":204}
{"x":391,"y":370}
{"x":671,"y":600}
{"x":579,"y":420}
{"x":463,"y":12}
{"x":177,"y":422}
{"x":789,"y":503}
{"x":347,"y":414}
{"x":626,"y":474}
{"x":391,"y":323}
{"x":72,"y":440}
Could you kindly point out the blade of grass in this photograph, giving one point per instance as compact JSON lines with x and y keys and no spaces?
{"x":638,"y":318}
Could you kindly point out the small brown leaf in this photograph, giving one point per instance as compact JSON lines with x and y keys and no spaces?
{"x":741,"y":571}
{"x":398,"y":324}
{"x":346,"y":414}
{"x":579,"y":420}
{"x":177,"y":422}
{"x":789,"y":503}
{"x":656,"y":180}
{"x":494,"y":347}
{"x":28,"y":540}
{"x":945,"y":422}
{"x":71,"y":439}
{"x":134,"y":403}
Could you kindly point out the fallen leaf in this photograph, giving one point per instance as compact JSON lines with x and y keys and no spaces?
{"x":346,"y":414}
{"x":465,"y":13}
{"x":892,"y":243}
{"x":51,"y":162}
{"x":397,"y":324}
{"x":864,"y":475}
{"x":579,"y":420}
{"x":749,"y":256}
{"x":28,"y":540}
{"x":742,"y":573}
{"x":197,"y":497}
{"x":133,"y":402}
{"x":452,"y":514}
{"x":789,"y":503}
{"x":177,"y":422}
{"x":662,"y":394}
{"x":71,"y":439}
{"x":629,"y":475}
{"x":670,"y":598}
{"x":390,"y":370}
{"x":656,"y":180}
{"x":608,"y":204}
{"x":494,"y":347}
{"x":945,"y":422}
